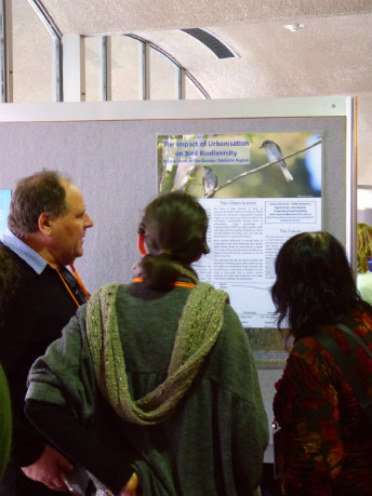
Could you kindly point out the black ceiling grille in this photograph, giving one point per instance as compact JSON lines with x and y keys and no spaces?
{"x":213,"y":43}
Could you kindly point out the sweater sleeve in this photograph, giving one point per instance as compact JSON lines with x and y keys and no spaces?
{"x":82,"y":443}
{"x":243,"y":439}
{"x":61,"y":403}
{"x":242,"y":420}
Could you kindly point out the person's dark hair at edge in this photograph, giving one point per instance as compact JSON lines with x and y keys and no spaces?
{"x":174,"y":227}
{"x":314,"y":283}
{"x":41,"y":192}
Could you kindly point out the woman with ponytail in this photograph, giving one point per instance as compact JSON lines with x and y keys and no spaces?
{"x":156,"y":377}
{"x":171,"y":236}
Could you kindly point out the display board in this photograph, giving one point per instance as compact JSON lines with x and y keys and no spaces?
{"x":121,"y":164}
{"x":112,"y":152}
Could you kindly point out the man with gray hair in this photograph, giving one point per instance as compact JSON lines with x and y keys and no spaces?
{"x":38,"y":295}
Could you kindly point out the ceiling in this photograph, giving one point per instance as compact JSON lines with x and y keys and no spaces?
{"x":330,"y":55}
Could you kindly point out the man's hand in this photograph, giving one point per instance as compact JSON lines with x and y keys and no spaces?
{"x":131,"y":487}
{"x":48,"y":469}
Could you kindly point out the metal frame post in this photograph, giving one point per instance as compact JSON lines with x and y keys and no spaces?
{"x":144,"y":86}
{"x":6,"y":52}
{"x":180,"y":83}
{"x":57,"y":48}
{"x":351,"y":180}
{"x":105,"y":68}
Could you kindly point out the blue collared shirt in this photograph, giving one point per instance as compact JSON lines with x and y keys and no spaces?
{"x":25,"y":252}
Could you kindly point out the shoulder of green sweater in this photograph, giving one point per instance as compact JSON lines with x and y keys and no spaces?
{"x":231,"y":313}
{"x":233,"y":342}
{"x":231,"y":321}
{"x":107,"y":289}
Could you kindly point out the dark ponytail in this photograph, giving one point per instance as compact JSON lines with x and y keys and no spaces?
{"x":174,"y":227}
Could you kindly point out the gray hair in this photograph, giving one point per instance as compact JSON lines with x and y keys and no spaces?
{"x":35,"y":194}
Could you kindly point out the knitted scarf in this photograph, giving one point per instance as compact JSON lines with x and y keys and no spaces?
{"x":198,"y":329}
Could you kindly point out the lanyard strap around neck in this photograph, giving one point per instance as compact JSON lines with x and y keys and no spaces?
{"x":180,"y":284}
{"x":81,"y":285}
{"x":80,"y":282}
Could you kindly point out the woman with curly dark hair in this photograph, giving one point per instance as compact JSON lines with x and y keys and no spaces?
{"x":325,"y":445}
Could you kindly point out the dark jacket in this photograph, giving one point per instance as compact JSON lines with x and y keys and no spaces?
{"x":31,"y":317}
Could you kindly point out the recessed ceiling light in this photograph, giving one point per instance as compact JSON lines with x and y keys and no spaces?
{"x":218,"y":46}
{"x":294,"y":27}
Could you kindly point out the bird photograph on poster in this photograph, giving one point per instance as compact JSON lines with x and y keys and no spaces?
{"x":241,"y":165}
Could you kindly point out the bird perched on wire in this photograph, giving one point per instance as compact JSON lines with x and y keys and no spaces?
{"x":209,"y":181}
{"x":273,"y":153}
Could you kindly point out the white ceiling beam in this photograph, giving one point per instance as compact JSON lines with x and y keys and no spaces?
{"x":73,"y":68}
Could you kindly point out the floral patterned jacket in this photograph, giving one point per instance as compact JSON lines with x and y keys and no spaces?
{"x":325,"y":439}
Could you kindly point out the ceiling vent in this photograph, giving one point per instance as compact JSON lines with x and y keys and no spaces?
{"x":218,"y":47}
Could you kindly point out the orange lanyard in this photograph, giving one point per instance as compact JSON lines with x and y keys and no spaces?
{"x":180,"y":284}
{"x":79,"y":281}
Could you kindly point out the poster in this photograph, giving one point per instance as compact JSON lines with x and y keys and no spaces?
{"x":258,"y":190}
{"x":5,"y":195}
